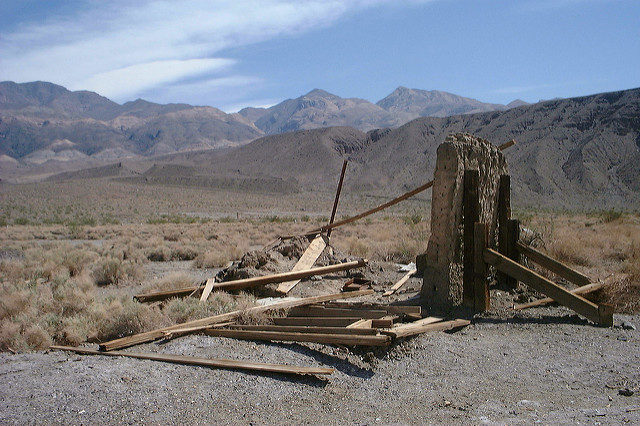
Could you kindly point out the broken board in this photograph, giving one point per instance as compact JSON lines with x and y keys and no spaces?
{"x":306,"y":261}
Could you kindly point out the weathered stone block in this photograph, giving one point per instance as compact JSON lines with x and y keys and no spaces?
{"x":442,"y":282}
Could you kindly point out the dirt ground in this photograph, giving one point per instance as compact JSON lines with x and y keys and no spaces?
{"x":539,"y":365}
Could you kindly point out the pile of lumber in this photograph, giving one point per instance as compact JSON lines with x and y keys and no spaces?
{"x":321,"y":319}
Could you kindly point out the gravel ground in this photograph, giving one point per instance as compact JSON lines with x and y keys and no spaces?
{"x":540,"y":365}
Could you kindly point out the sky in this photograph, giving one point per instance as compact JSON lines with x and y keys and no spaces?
{"x":236,"y":53}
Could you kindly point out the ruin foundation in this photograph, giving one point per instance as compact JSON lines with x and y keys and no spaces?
{"x":442,"y":285}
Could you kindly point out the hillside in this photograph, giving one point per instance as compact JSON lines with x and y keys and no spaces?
{"x":319,"y":108}
{"x":407,"y":104}
{"x":575,"y":153}
{"x":34,"y":117}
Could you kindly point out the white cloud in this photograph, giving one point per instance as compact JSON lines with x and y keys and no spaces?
{"x":136,"y":78}
{"x":120,"y":49}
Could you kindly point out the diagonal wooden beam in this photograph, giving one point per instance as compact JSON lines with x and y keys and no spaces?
{"x":555,"y":266}
{"x":602,"y":314}
{"x":229,"y":364}
{"x":230,"y":316}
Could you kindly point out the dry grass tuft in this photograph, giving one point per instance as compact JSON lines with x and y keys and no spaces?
{"x":112,"y":270}
{"x":211,"y":259}
{"x":171,"y":281}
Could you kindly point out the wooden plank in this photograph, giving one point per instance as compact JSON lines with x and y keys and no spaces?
{"x":585,"y":289}
{"x":482,"y":302}
{"x":249,"y":282}
{"x":561,"y":295}
{"x":471,"y":214}
{"x":504,"y":215}
{"x":392,"y":309}
{"x":338,"y":191}
{"x":368,"y":331}
{"x":317,"y":321}
{"x":361,"y":324}
{"x":400,"y":283}
{"x":513,"y":235}
{"x":206,"y":362}
{"x":230,"y":316}
{"x":167,"y":294}
{"x":288,"y":276}
{"x":319,"y":311}
{"x":392,"y":202}
{"x":558,"y":268}
{"x":191,"y":330}
{"x":423,"y":326}
{"x":306,"y":261}
{"x":207,"y":289}
{"x":330,"y":339}
{"x":384,"y":322}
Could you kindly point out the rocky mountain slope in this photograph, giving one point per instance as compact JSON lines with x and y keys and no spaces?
{"x":575,"y":153}
{"x":42,"y":122}
{"x":407,"y":104}
{"x":45,"y":124}
{"x":322,"y":109}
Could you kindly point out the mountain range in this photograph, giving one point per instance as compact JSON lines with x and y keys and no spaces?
{"x":577,"y":153}
{"x":45,"y":124}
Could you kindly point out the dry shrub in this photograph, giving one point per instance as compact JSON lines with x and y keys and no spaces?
{"x":405,"y":251}
{"x":624,"y":294}
{"x":190,"y":308}
{"x":36,"y":337}
{"x":171,"y":281}
{"x":183,"y":253}
{"x":123,"y":317}
{"x":160,"y":253}
{"x":112,"y":270}
{"x":172,"y":235}
{"x":568,"y":248}
{"x":358,"y":248}
{"x":77,"y":260}
{"x":211,"y":259}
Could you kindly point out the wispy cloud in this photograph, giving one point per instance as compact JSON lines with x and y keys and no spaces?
{"x":121,"y":49}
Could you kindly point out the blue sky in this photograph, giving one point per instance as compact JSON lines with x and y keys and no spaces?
{"x":231,"y":54}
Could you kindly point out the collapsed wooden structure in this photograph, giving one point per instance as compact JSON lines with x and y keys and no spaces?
{"x":329,"y":319}
{"x":506,"y":259}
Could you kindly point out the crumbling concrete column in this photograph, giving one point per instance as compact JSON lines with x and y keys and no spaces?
{"x":442,"y":285}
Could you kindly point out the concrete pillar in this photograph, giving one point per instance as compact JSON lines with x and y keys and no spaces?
{"x":442,"y":282}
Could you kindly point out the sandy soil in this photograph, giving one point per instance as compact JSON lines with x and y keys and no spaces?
{"x":540,"y":365}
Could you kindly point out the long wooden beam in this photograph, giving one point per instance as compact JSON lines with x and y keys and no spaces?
{"x":392,"y":309}
{"x":558,"y":268}
{"x":602,"y":314}
{"x":230,"y":316}
{"x":424,"y":325}
{"x":288,"y":276}
{"x":308,"y":329}
{"x":330,"y":321}
{"x":585,"y":289}
{"x":320,"y":311}
{"x":331,"y":339}
{"x":206,"y":362}
{"x":392,"y":202}
{"x":250,"y":282}
{"x":338,"y":191}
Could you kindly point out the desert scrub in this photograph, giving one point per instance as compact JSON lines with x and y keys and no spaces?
{"x":180,"y":310}
{"x":113,"y":270}
{"x":171,"y":281}
{"x":211,"y":259}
